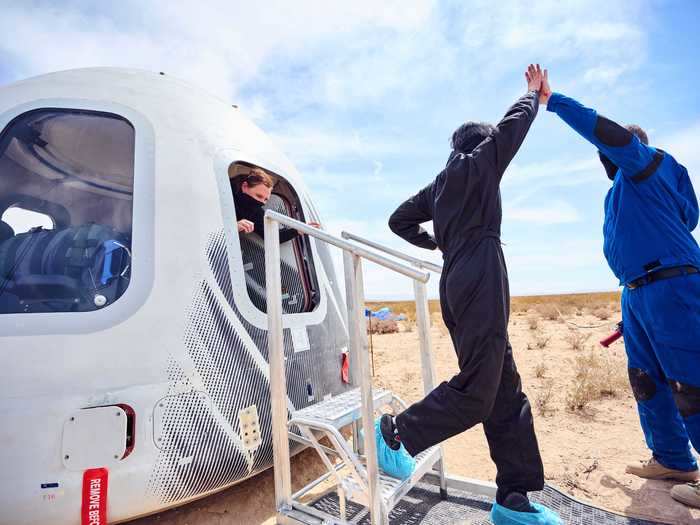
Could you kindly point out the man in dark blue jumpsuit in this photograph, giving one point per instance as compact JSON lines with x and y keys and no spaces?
{"x":650,"y":212}
{"x":464,"y":204}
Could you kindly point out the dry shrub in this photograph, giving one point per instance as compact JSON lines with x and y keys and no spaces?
{"x":583,"y":388}
{"x":533,"y":322}
{"x":567,"y":309}
{"x":612,"y":381}
{"x":518,"y":308}
{"x":602,"y":313}
{"x":596,"y":377}
{"x":544,"y":398}
{"x":541,"y":340}
{"x":384,"y":327}
{"x":548,"y":311}
{"x":540,"y":370}
{"x":577,"y":339}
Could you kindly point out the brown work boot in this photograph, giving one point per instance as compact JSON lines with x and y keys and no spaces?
{"x":652,"y":469}
{"x":688,"y":494}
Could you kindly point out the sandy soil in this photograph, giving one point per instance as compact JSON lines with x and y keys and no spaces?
{"x":585,"y":450}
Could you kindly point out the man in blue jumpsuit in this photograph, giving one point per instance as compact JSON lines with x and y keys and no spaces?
{"x":650,"y":212}
{"x":464,"y":204}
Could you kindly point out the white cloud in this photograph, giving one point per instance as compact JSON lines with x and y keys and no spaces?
{"x":556,"y":170}
{"x":297,"y":65}
{"x":555,"y":212}
{"x":603,"y":74}
{"x":219,"y":45}
{"x":312,"y":146}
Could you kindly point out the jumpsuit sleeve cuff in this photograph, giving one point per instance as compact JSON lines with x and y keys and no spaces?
{"x":553,"y":101}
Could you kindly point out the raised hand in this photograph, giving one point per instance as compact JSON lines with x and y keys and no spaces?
{"x":545,"y":90}
{"x":534,"y":77}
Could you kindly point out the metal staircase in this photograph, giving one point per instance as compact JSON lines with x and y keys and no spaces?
{"x":350,"y":462}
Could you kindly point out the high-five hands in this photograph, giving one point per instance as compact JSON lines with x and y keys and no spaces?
{"x":538,"y":80}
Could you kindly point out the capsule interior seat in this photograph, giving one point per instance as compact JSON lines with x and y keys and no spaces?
{"x":63,"y":269}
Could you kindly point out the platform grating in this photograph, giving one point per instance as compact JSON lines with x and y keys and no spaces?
{"x":423,"y":506}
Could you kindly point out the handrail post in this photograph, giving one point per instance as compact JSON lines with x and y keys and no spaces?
{"x":427,"y":364}
{"x":353,"y":343}
{"x":278,"y":383}
{"x":355,"y":297}
{"x":423,"y":326}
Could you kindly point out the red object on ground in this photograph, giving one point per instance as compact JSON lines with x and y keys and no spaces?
{"x":611,"y":338}
{"x":345,"y":369}
{"x":94,"y":508}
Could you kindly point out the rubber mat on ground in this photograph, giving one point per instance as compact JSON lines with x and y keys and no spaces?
{"x":423,"y":506}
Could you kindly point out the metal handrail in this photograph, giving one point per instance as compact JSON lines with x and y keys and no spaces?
{"x":419,"y":263}
{"x":359,"y":359}
{"x":349,"y":247}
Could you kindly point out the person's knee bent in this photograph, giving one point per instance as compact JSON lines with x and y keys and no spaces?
{"x":687,"y":398}
{"x":643,"y":385}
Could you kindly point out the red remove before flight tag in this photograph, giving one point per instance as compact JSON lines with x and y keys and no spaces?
{"x":94,"y":509}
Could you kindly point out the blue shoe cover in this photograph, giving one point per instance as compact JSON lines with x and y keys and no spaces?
{"x":396,"y":463}
{"x":544,"y":516}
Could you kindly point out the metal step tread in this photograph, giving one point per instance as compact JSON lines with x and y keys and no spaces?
{"x":392,"y":489}
{"x":423,"y":505}
{"x":340,"y":410}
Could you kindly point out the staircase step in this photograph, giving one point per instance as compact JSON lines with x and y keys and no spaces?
{"x":393,"y":489}
{"x":340,"y":410}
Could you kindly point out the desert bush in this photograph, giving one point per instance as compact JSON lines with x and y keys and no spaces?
{"x":595,"y":378}
{"x":612,"y":379}
{"x":548,"y":311}
{"x":544,"y":398}
{"x":576,"y":339}
{"x":540,"y":370}
{"x":533,"y":322}
{"x":584,"y":388}
{"x":541,"y":340}
{"x":602,"y":313}
{"x":386,"y":327}
{"x":567,"y":309}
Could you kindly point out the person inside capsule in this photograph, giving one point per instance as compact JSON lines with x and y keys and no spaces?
{"x":250,"y":198}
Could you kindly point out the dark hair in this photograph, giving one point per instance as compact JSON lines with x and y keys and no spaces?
{"x":636,"y":130}
{"x":469,"y":135}
{"x":258,"y":176}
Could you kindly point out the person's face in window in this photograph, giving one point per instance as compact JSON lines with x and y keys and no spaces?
{"x":259,"y":192}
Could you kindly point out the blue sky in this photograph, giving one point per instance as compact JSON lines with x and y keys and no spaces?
{"x":363,"y":97}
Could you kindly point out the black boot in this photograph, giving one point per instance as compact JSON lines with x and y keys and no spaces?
{"x":515,"y":501}
{"x":389,"y":432}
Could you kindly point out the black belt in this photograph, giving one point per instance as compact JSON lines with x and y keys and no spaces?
{"x":659,"y":275}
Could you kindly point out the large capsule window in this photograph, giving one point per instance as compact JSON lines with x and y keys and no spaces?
{"x":299,"y":283}
{"x":66,"y":187}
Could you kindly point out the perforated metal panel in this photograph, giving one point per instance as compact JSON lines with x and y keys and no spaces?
{"x":205,"y":450}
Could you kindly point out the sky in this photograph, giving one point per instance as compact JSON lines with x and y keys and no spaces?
{"x":363,"y":97}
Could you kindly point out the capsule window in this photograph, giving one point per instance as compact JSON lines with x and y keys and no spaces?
{"x":66,"y":188}
{"x":299,"y":283}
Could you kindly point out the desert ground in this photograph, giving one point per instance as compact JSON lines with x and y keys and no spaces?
{"x":585,"y":415}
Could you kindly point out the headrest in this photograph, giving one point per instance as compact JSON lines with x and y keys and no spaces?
{"x":6,"y":231}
